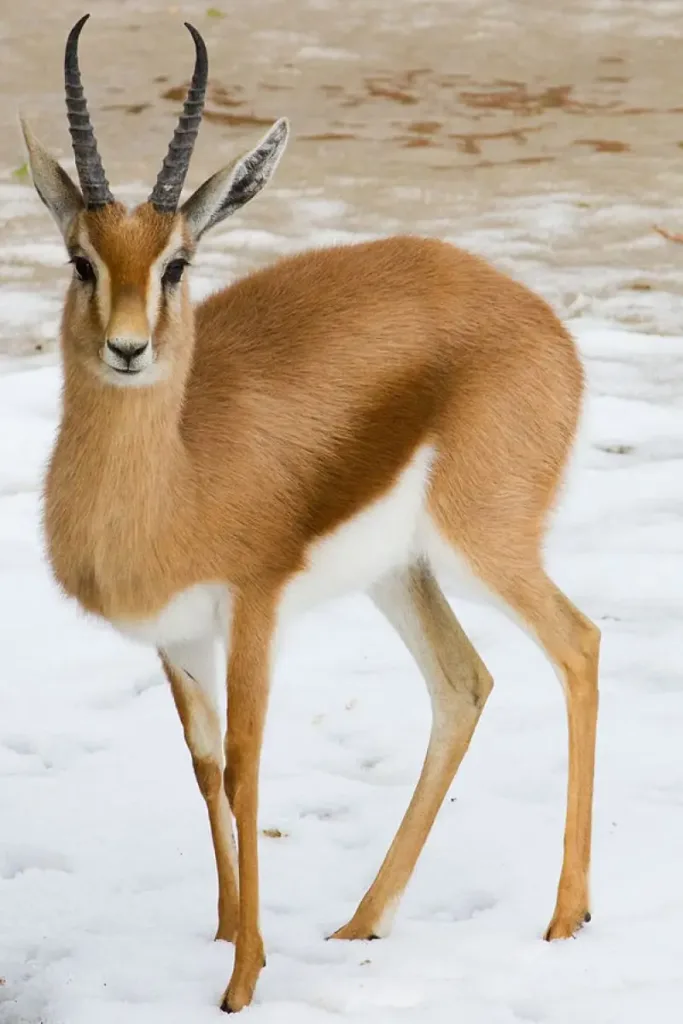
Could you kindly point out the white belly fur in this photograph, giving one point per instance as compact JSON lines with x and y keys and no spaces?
{"x":380,"y":538}
{"x":389,"y":534}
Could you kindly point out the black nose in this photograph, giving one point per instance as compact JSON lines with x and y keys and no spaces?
{"x":126,"y":352}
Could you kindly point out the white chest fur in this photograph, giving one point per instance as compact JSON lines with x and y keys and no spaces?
{"x":202,"y":610}
{"x":381,"y":537}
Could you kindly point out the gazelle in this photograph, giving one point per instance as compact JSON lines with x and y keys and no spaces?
{"x":358,"y":417}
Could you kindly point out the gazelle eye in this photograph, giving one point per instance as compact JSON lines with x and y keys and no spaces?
{"x":84,"y":269}
{"x":173,"y":272}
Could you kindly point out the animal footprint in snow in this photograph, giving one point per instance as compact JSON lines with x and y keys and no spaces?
{"x":50,"y":752}
{"x":15,"y":860}
{"x":119,"y":697}
{"x":325,"y":813}
{"x":468,"y":907}
{"x":368,"y":763}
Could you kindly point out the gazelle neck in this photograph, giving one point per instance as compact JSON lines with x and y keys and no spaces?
{"x":120,"y":492}
{"x":128,"y":437}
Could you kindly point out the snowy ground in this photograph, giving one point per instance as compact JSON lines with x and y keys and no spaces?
{"x":107,"y":890}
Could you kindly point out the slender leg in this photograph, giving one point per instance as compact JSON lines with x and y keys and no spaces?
{"x":248,"y":685}
{"x":190,"y":669}
{"x":572,"y":642}
{"x":459,"y":685}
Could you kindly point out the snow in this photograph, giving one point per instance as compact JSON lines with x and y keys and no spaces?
{"x":107,"y":887}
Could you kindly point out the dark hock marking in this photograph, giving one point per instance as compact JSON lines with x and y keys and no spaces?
{"x":587,"y":916}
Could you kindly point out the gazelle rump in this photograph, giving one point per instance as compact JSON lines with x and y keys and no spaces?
{"x":361,"y":417}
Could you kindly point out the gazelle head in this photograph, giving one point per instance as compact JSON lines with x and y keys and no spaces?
{"x":127,"y":317}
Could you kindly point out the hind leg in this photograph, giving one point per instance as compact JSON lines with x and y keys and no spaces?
{"x":571,"y":642}
{"x":503,"y":447}
{"x":459,"y":685}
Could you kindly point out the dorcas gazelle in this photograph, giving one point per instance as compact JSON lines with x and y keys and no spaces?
{"x":361,"y":417}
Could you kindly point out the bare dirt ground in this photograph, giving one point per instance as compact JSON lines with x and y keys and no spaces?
{"x":547,"y":137}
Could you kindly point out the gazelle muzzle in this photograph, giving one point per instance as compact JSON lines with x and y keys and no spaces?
{"x":127,"y":355}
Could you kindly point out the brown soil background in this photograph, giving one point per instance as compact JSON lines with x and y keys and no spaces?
{"x":548,"y":137}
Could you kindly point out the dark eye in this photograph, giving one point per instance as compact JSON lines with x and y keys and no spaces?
{"x":84,"y":269}
{"x":173,"y":272}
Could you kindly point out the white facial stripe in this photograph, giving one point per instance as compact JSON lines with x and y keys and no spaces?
{"x":112,"y":367}
{"x":153,"y":296}
{"x":103,"y":287}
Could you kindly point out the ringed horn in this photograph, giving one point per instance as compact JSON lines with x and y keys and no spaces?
{"x":94,"y":185}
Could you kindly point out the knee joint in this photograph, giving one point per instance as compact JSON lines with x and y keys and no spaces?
{"x":208,"y":775}
{"x":482,"y":686}
{"x":476,"y":684}
{"x":230,"y":783}
{"x":589,"y":646}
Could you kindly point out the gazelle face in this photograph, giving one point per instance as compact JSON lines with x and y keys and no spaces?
{"x":127,"y":317}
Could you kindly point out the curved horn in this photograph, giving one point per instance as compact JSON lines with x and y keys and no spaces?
{"x":94,"y":184}
{"x":166,"y":193}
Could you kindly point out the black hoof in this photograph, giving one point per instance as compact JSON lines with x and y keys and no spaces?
{"x":225,"y":1007}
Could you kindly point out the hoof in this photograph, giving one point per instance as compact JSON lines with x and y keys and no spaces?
{"x":565,"y":926}
{"x":353,"y":933}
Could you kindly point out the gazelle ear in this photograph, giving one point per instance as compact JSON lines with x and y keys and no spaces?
{"x":229,"y":189}
{"x":52,"y":183}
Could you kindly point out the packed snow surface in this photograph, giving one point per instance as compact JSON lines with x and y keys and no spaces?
{"x":107,"y":887}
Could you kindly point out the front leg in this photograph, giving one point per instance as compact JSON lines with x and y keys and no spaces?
{"x":191,"y":670}
{"x":248,"y":685}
